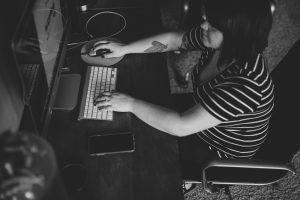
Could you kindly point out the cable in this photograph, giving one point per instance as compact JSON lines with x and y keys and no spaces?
{"x":50,"y":9}
{"x":105,"y":12}
{"x":78,"y":45}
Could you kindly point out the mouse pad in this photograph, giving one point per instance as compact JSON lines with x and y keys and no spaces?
{"x":98,"y":60}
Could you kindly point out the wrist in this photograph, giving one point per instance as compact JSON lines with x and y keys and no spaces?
{"x":125,"y":49}
{"x":131,"y":104}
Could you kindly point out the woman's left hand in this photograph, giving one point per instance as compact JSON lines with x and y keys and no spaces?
{"x":116,"y":101}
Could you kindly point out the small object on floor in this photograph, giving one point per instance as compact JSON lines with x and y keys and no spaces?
{"x":187,"y":187}
{"x":183,"y":82}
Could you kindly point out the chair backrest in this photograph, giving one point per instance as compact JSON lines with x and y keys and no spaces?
{"x":282,"y":141}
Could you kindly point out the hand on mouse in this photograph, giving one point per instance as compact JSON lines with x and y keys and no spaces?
{"x":99,"y":52}
{"x":112,"y":49}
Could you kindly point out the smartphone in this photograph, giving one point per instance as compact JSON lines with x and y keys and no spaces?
{"x":112,"y":143}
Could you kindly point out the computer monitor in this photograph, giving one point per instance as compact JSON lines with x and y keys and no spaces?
{"x":39,"y":45}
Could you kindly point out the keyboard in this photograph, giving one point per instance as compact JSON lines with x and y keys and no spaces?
{"x":99,"y":79}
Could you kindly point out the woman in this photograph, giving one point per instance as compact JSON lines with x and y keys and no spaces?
{"x":233,"y":91}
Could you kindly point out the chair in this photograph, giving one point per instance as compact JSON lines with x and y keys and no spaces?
{"x":273,"y":160}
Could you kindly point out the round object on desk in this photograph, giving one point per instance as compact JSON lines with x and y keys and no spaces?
{"x":98,"y":60}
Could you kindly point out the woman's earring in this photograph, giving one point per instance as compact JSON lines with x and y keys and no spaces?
{"x":204,"y":25}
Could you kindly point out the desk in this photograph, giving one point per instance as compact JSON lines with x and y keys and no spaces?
{"x":152,"y":171}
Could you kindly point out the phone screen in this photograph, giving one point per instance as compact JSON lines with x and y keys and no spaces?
{"x":113,"y":143}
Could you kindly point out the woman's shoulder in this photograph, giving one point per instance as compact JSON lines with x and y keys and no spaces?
{"x":252,"y":69}
{"x":252,"y":74}
{"x":244,"y":73}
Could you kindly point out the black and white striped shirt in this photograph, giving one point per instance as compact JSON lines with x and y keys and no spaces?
{"x":241,"y":97}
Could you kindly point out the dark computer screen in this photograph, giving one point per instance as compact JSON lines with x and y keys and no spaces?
{"x":37,"y":45}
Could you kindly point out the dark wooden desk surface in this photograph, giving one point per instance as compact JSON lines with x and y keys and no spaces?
{"x":152,"y":171}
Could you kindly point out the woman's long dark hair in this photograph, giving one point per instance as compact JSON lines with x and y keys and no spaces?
{"x":245,"y":25}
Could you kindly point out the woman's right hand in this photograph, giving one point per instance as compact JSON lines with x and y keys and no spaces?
{"x":115,"y":49}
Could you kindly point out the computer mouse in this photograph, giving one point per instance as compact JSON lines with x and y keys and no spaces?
{"x":99,"y":52}
{"x":94,"y":59}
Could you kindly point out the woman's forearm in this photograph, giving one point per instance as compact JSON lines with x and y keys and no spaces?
{"x":159,"y":117}
{"x":163,"y":42}
{"x":193,"y":120}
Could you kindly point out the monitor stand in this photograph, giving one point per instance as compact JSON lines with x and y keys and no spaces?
{"x":67,"y":93}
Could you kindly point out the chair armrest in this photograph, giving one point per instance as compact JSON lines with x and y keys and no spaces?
{"x":242,"y":163}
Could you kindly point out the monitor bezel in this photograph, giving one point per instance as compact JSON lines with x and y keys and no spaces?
{"x":53,"y":86}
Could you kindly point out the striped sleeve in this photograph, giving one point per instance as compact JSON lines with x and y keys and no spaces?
{"x":227,"y":100}
{"x":194,"y":38}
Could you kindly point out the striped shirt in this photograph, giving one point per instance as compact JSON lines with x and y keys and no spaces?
{"x":241,"y":97}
